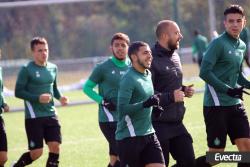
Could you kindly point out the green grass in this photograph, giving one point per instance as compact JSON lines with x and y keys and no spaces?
{"x":83,"y":143}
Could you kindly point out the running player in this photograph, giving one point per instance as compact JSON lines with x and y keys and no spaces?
{"x":223,"y":109}
{"x":137,"y":142}
{"x":107,"y":76}
{"x":37,"y":85}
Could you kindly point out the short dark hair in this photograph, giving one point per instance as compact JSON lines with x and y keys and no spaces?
{"x":37,"y":40}
{"x":120,"y":36}
{"x":134,"y":48}
{"x":233,"y":9}
{"x":196,"y":32}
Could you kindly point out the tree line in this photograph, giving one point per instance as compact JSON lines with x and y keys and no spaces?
{"x":84,"y":29}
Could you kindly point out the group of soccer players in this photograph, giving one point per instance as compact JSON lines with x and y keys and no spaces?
{"x":141,"y":99}
{"x":153,"y":83}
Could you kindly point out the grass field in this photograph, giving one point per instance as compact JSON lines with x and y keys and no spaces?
{"x":83,"y":143}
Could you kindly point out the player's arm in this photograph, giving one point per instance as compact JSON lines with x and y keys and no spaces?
{"x":57,"y":94}
{"x":88,"y":89}
{"x":124,"y":96}
{"x":20,"y":88}
{"x":243,"y":81}
{"x":166,"y":97}
{"x":206,"y":72}
{"x":95,"y":78}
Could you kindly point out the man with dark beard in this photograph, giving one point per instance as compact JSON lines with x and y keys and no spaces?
{"x":107,"y":76}
{"x":167,"y":79}
{"x":137,"y":142}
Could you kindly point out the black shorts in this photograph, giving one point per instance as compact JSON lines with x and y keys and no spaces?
{"x":108,"y":129}
{"x":181,"y":149}
{"x":3,"y":137}
{"x":37,"y":129}
{"x":225,"y":120}
{"x":139,"y":151}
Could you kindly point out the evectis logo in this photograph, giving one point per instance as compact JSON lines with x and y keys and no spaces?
{"x":228,"y":157}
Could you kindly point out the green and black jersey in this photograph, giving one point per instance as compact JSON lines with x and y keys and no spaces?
{"x":107,"y":76}
{"x":34,"y":80}
{"x":133,"y":119}
{"x":221,"y":70}
{"x":200,"y":45}
{"x":1,"y":92}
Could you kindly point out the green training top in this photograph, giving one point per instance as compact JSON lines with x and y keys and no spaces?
{"x":34,"y":80}
{"x":221,"y":69}
{"x":1,"y":91}
{"x":107,"y":76}
{"x":200,"y":45}
{"x":133,"y":119}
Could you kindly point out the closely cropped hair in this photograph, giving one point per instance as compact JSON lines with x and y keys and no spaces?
{"x":196,"y":32}
{"x":120,"y":36}
{"x":161,"y":27}
{"x":233,"y":9}
{"x":134,"y":48}
{"x":37,"y":40}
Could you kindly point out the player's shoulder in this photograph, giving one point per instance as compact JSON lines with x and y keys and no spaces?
{"x":104,"y":64}
{"x":218,"y":42}
{"x":29,"y":64}
{"x":51,"y":65}
{"x":128,"y":74}
{"x":242,"y":43}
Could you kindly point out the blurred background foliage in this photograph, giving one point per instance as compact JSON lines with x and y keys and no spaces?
{"x":84,"y":29}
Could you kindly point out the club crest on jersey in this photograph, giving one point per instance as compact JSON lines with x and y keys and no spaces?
{"x":239,"y":53}
{"x":229,"y":52}
{"x":122,"y":72}
{"x":37,"y":74}
{"x":32,"y":144}
{"x":216,"y":141}
{"x":113,"y":72}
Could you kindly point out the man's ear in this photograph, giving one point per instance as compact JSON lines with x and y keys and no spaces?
{"x":133,"y":57}
{"x":245,"y":23}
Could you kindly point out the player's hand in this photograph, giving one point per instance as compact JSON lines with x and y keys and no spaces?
{"x":153,"y":100}
{"x":237,"y":92}
{"x":188,"y":90}
{"x":178,"y":95}
{"x":45,"y":98}
{"x":64,"y":100}
{"x":158,"y":110}
{"x":6,"y":107}
{"x":109,"y":105}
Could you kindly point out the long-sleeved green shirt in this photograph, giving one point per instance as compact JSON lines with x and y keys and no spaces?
{"x":107,"y":76}
{"x":200,"y":45}
{"x":133,"y":119}
{"x":221,"y":70}
{"x":34,"y":80}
